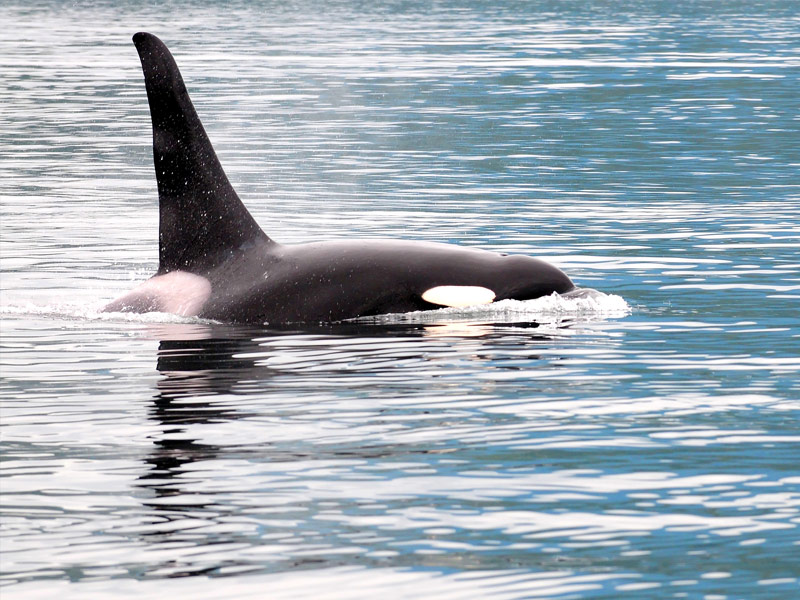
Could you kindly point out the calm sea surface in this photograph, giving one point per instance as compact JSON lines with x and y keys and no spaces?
{"x":644,"y":445}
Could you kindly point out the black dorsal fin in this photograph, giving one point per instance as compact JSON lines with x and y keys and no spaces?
{"x":201,"y":219}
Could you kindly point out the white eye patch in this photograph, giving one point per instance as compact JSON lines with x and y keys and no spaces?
{"x":458,"y":296}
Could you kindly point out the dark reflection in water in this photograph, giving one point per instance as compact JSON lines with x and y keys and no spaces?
{"x":199,"y":360}
{"x":196,"y":361}
{"x":203,"y":366}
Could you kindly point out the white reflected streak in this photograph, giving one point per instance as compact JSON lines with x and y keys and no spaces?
{"x":736,"y":363}
{"x":481,"y":486}
{"x":577,"y":526}
{"x":334,"y":583}
{"x":672,"y":405}
{"x":696,"y":76}
{"x":393,"y":64}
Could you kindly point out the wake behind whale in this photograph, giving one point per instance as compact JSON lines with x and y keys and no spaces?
{"x":215,"y":262}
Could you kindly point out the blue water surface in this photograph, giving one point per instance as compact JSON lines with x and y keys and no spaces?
{"x":645,"y":445}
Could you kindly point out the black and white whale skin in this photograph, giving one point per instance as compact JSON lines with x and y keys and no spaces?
{"x":215,"y":262}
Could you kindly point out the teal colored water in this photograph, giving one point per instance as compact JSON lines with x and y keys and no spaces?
{"x":642,"y":446}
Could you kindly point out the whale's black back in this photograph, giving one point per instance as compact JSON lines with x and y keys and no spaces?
{"x":201,"y":219}
{"x":215,"y":261}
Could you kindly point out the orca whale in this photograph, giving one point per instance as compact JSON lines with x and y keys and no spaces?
{"x":215,"y":262}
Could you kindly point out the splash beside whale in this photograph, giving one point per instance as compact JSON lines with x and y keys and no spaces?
{"x":216,"y":262}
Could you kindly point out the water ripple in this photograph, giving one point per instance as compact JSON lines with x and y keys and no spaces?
{"x":639,"y":443}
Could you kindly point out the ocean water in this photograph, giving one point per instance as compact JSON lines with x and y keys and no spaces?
{"x":640,"y":444}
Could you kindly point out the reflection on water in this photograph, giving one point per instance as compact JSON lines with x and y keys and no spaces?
{"x":644,"y":447}
{"x":520,"y":453}
{"x":206,"y":367}
{"x":390,"y":447}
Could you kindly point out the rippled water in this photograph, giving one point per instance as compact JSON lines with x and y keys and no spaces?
{"x":645,"y":445}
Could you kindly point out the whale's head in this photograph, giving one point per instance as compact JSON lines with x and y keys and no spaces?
{"x":525,"y":278}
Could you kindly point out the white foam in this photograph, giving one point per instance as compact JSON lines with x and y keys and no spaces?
{"x":90,"y":313}
{"x":585,"y":303}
